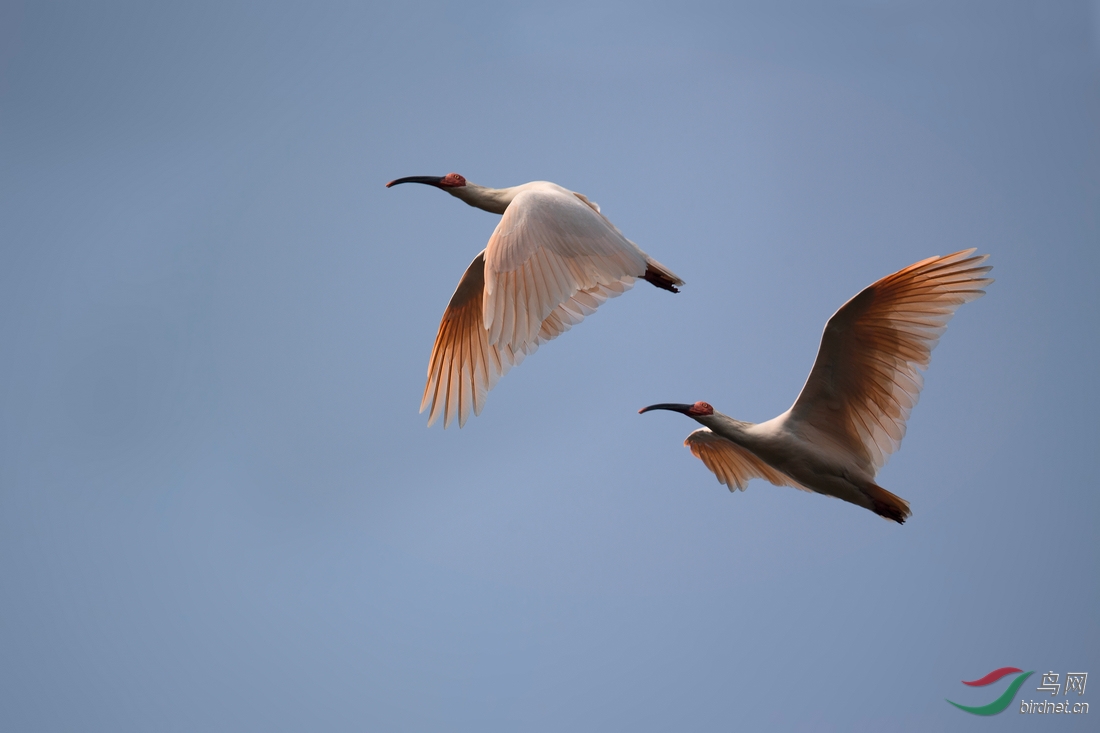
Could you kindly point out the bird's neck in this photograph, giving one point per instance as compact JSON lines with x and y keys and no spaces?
{"x":493,"y":200}
{"x":735,"y":430}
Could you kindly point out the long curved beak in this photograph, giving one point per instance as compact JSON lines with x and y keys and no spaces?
{"x":673,"y":406}
{"x":430,"y":180}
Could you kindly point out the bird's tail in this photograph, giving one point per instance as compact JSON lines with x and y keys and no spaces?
{"x":659,"y":275}
{"x":888,"y":505}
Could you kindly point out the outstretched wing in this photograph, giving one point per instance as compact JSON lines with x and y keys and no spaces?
{"x":464,"y":366}
{"x":733,"y":465}
{"x":867,"y":376}
{"x":550,"y":246}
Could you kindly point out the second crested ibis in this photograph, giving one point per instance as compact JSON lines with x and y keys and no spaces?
{"x":851,"y":413}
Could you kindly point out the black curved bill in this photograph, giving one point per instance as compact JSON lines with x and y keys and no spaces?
{"x":674,"y":406}
{"x":430,"y":180}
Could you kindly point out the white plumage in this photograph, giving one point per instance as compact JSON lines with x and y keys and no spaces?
{"x":552,"y":260}
{"x":852,"y":410}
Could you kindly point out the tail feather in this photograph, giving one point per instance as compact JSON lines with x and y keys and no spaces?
{"x":660,"y":276}
{"x":886,"y":504}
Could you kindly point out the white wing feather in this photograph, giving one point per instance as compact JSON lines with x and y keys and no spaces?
{"x":549,"y":247}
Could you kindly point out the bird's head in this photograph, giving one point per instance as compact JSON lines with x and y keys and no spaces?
{"x":697,"y":410}
{"x":493,"y":200}
{"x":451,"y":180}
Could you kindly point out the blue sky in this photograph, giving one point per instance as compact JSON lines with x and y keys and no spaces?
{"x":220,"y":509}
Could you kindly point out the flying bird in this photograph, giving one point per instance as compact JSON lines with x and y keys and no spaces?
{"x":851,"y":413}
{"x":552,"y":260}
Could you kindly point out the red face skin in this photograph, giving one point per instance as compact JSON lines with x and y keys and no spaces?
{"x":452,"y":180}
{"x":699,"y":409}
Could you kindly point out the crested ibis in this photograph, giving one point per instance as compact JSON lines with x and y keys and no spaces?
{"x":552,"y":260}
{"x":851,"y":413}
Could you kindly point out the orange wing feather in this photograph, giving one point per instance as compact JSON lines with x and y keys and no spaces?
{"x":731,"y":464}
{"x":464,"y":366}
{"x":867,"y":376}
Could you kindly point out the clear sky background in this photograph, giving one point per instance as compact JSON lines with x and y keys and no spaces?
{"x":221,"y":511}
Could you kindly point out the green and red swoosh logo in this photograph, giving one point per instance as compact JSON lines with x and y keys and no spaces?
{"x":1004,"y":700}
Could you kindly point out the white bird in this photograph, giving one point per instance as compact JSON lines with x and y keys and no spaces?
{"x":552,"y":260}
{"x":851,"y":413}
